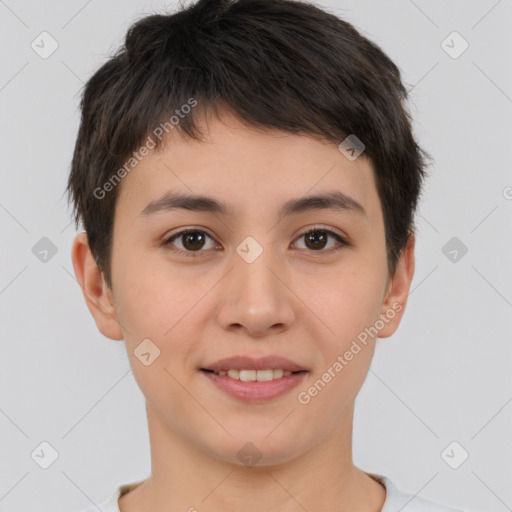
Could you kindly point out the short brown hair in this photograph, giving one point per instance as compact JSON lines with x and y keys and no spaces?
{"x":274,"y":63}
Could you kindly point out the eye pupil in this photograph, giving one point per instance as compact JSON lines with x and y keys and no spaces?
{"x":193,"y":236}
{"x":193,"y":241}
{"x":314,"y":236}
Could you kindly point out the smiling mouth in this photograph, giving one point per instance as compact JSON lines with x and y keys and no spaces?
{"x":254,"y":375}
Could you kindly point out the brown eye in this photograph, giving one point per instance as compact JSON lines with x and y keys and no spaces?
{"x":191,"y":241}
{"x":195,"y":241}
{"x":317,"y":239}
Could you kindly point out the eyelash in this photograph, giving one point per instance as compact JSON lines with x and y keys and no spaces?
{"x":167,"y":242}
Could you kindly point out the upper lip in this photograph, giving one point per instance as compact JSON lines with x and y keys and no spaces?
{"x":248,"y":363}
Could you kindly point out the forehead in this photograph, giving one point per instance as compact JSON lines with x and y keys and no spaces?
{"x":247,"y":170}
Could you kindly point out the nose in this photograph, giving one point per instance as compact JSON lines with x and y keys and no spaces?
{"x":256,"y":297}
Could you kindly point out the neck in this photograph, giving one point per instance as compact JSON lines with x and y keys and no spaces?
{"x":184,"y":477}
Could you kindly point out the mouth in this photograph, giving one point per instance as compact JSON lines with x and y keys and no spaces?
{"x":246,"y":375}
{"x":254,"y":380}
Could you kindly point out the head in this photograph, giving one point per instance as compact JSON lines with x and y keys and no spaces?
{"x":246,"y":103}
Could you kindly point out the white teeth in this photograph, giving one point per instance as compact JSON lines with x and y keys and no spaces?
{"x":234,"y":374}
{"x":248,"y":375}
{"x":255,"y":375}
{"x":264,"y":375}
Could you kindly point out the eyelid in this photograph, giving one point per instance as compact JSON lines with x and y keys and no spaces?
{"x":342,"y":239}
{"x":327,"y":229}
{"x":166,"y":243}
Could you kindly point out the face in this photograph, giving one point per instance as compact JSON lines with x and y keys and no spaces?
{"x":308,"y":284}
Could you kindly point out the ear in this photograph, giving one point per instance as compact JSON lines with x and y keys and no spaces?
{"x":397,"y":291}
{"x":97,"y":294}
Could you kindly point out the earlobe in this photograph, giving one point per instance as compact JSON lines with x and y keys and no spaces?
{"x":97,"y":295}
{"x":398,"y":289}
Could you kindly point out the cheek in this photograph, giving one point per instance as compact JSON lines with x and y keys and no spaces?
{"x":164,"y":311}
{"x":343,"y":304}
{"x":350,"y":308}
{"x":150,"y":303}
{"x":157,"y":341}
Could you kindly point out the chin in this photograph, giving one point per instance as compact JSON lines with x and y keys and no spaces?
{"x":254,"y":449}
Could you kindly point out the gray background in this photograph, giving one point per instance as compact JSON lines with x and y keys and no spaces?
{"x":443,"y":377}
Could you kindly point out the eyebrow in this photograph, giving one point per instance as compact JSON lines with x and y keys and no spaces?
{"x":334,"y":200}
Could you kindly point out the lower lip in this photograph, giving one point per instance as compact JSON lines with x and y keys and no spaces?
{"x":254,"y":392}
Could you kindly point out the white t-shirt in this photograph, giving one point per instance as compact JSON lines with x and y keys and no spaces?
{"x":396,"y":501}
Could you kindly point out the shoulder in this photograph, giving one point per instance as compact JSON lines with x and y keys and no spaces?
{"x":112,"y":503}
{"x":398,"y":501}
{"x":107,"y":505}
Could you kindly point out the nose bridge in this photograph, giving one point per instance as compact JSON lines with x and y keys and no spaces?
{"x":256,"y":297}
{"x":256,"y":275}
{"x":255,"y":267}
